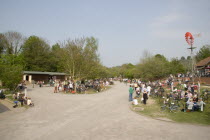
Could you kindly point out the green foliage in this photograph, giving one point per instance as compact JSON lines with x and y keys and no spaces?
{"x":188,"y":57}
{"x":124,"y":71}
{"x":11,"y":70}
{"x":80,"y":59}
{"x":176,"y":67}
{"x":114,"y":71}
{"x":153,"y":68}
{"x":56,"y":58}
{"x":203,"y":53}
{"x":161,"y":57}
{"x":56,"y":47}
{"x":186,"y":63}
{"x":150,"y":68}
{"x":182,"y":58}
{"x":36,"y":54}
{"x":11,"y":76}
{"x":11,"y":59}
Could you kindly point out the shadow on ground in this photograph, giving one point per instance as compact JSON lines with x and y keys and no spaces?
{"x":3,"y":108}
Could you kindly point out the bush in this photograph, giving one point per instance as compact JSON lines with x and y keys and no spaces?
{"x":11,"y":76}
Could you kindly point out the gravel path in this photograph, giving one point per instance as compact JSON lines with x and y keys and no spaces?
{"x":103,"y":116}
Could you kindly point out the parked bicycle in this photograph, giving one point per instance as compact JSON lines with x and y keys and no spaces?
{"x":171,"y":107}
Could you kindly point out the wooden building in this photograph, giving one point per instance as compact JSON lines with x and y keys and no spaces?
{"x":203,"y":67}
{"x":30,"y":76}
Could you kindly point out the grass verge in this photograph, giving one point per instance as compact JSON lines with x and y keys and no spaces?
{"x":152,"y":109}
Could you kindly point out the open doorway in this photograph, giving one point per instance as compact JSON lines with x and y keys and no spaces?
{"x":27,"y":77}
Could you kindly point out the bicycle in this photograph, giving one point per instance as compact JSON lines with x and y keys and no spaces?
{"x":172,"y":108}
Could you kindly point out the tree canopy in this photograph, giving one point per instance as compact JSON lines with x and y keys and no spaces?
{"x":203,"y":53}
{"x":80,"y":59}
{"x":36,"y":54}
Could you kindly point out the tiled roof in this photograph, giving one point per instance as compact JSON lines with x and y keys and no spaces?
{"x":203,"y":62}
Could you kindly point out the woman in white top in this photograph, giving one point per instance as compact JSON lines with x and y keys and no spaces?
{"x":190,"y":104}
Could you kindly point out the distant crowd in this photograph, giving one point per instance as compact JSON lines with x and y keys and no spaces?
{"x":173,"y":89}
{"x":71,"y":86}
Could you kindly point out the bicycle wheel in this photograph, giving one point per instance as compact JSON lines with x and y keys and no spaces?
{"x":174,"y":108}
{"x":163,"y":108}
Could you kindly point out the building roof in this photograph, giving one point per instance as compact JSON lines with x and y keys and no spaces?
{"x":203,"y":62}
{"x":44,"y":73}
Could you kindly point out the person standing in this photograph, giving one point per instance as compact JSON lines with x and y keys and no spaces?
{"x":131,"y":93}
{"x":135,"y":86}
{"x":138,"y":92}
{"x":33,"y":82}
{"x":145,"y":97}
{"x":149,"y":90}
{"x":55,"y":87}
{"x":40,"y":83}
{"x":71,"y":86}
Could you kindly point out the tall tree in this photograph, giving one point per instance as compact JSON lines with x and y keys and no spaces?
{"x":81,"y":58}
{"x":182,"y":58}
{"x":36,"y":54}
{"x":15,"y":41}
{"x":186,"y":63}
{"x":3,"y":44}
{"x":55,"y":57}
{"x":176,"y":67}
{"x":203,"y":53}
{"x":188,"y":57}
{"x":161,"y":57}
{"x":153,"y":68}
{"x":11,"y":70}
{"x":91,"y":57}
{"x":72,"y":57}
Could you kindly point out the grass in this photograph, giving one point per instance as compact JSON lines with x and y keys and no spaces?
{"x":152,"y":109}
{"x":10,"y":98}
{"x":205,"y":88}
{"x":190,"y":117}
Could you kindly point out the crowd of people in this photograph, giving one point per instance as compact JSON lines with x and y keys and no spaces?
{"x":172,"y":89}
{"x":138,"y":87}
{"x":21,"y":96}
{"x":24,"y":100}
{"x":82,"y":86}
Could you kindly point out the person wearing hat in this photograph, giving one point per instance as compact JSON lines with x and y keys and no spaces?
{"x":145,"y":96}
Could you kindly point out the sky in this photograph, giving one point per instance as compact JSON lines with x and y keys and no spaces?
{"x":125,"y":29}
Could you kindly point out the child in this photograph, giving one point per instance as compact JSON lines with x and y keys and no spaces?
{"x":135,"y":101}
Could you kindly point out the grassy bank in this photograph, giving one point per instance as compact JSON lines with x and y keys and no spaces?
{"x":153,"y":109}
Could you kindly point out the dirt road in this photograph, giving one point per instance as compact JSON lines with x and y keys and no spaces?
{"x":103,"y":116}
